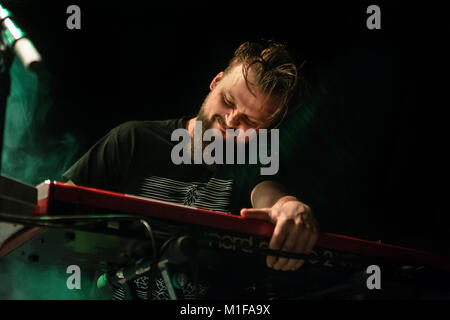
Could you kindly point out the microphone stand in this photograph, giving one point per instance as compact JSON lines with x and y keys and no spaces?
{"x":5,"y":87}
{"x":175,"y":250}
{"x":15,"y":196}
{"x":13,"y":42}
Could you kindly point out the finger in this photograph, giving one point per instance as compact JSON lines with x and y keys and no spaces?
{"x":293,"y":234}
{"x":278,"y":237}
{"x":300,"y":247}
{"x":312,"y":240}
{"x":260,"y":214}
{"x":308,"y":219}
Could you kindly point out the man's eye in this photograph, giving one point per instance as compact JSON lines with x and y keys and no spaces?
{"x":228,"y":103}
{"x":250,"y":122}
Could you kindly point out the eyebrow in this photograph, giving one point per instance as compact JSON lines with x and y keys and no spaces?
{"x":230,"y":96}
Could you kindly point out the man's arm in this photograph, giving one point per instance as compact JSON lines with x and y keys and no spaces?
{"x":267,"y":193}
{"x":295,"y":229}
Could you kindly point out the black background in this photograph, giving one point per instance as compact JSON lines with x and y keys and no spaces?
{"x":374,"y":163}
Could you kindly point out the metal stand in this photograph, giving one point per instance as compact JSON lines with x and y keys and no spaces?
{"x":5,"y":87}
{"x":15,"y":197}
{"x":13,"y":42}
{"x":175,"y":251}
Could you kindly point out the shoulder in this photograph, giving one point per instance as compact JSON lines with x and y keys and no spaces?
{"x":146,"y":129}
{"x":142,"y":125}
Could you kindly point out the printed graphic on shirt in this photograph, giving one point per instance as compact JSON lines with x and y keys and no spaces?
{"x":214,"y":194}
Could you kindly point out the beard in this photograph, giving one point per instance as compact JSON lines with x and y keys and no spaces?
{"x":207,"y":123}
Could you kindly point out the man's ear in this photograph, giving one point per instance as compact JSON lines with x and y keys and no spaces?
{"x":215,"y":80}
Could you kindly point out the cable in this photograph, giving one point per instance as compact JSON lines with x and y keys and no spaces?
{"x":76,"y":220}
{"x":150,"y":233}
{"x":154,"y":265}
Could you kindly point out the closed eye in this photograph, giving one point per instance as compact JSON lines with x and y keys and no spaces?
{"x":250,"y":122}
{"x":228,"y":102}
{"x":231,"y":105}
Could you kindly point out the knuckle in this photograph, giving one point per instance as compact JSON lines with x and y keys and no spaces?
{"x":298,"y":221}
{"x":287,"y":221}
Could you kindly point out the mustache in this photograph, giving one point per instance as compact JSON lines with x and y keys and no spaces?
{"x":221,"y":121}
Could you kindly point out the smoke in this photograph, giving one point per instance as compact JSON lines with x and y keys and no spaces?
{"x":30,"y":153}
{"x":22,"y":280}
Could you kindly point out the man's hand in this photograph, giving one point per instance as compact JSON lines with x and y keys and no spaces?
{"x":296,"y":230}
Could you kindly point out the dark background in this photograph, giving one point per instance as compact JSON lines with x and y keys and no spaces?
{"x":372,"y":161}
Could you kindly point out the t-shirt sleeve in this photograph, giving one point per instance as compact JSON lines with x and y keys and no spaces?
{"x":256,"y":176}
{"x":246,"y":178}
{"x":106,"y":163}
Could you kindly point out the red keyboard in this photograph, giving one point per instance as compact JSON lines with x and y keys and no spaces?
{"x":52,"y":193}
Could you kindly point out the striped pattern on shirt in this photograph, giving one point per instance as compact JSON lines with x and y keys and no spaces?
{"x":215,"y":194}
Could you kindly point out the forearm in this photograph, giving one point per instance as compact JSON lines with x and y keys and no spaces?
{"x":269,"y":193}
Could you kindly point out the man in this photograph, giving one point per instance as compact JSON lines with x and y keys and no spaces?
{"x":254,"y":92}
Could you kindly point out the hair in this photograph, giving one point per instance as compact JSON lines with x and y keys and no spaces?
{"x":275,"y":72}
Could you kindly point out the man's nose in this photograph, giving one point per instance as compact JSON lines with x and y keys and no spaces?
{"x":232,"y":120}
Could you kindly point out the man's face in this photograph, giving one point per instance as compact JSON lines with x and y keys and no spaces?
{"x":231,"y":105}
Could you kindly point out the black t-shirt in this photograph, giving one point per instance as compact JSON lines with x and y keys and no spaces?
{"x":135,"y":158}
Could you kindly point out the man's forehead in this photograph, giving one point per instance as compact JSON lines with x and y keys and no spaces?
{"x":254,"y":99}
{"x":236,"y":77}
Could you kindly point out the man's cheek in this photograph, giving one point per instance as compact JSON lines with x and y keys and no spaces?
{"x":246,"y":135}
{"x":215,"y":124}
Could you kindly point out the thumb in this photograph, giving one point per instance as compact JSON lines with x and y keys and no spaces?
{"x":253,"y":213}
